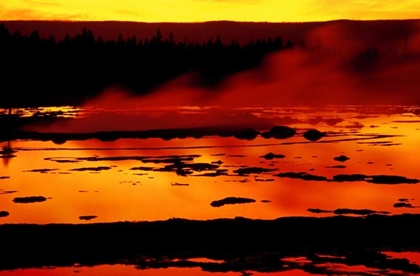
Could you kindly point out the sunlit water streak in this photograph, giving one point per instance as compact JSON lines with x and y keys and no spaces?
{"x":292,"y":266}
{"x":132,"y":271}
{"x":108,"y":180}
{"x":153,"y":179}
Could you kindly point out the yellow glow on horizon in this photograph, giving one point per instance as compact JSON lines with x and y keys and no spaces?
{"x":208,"y":10}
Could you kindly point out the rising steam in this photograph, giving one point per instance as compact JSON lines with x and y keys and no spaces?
{"x":326,"y":69}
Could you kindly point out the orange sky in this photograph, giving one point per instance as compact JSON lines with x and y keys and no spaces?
{"x":207,"y":10}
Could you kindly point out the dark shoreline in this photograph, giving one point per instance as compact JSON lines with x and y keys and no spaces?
{"x":278,"y":132}
{"x":258,"y":243}
{"x":165,"y":134}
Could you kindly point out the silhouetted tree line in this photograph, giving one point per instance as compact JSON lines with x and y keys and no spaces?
{"x":36,"y":69}
{"x":366,"y":60}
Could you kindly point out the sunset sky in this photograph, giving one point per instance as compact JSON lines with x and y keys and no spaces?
{"x":208,"y":10}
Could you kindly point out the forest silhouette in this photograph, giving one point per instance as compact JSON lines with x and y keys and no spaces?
{"x":47,"y":71}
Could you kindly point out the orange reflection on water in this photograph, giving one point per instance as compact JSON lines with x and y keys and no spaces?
{"x":413,"y":257}
{"x":118,"y":192}
{"x":132,"y":271}
{"x":106,"y":270}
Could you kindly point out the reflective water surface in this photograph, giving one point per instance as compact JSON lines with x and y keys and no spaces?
{"x":155,"y":179}
{"x":294,"y":266}
{"x":131,"y":270}
{"x":366,"y":163}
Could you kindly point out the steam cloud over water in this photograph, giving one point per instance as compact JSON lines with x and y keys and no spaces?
{"x":325,"y":68}
{"x":333,"y":64}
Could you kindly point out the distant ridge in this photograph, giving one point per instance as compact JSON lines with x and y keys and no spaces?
{"x":364,"y":61}
{"x":242,"y":32}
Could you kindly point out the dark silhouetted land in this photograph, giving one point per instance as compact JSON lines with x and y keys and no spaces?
{"x":260,"y":244}
{"x":69,"y":70}
{"x":55,"y":63}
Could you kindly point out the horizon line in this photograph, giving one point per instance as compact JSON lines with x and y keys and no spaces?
{"x":201,"y":22}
